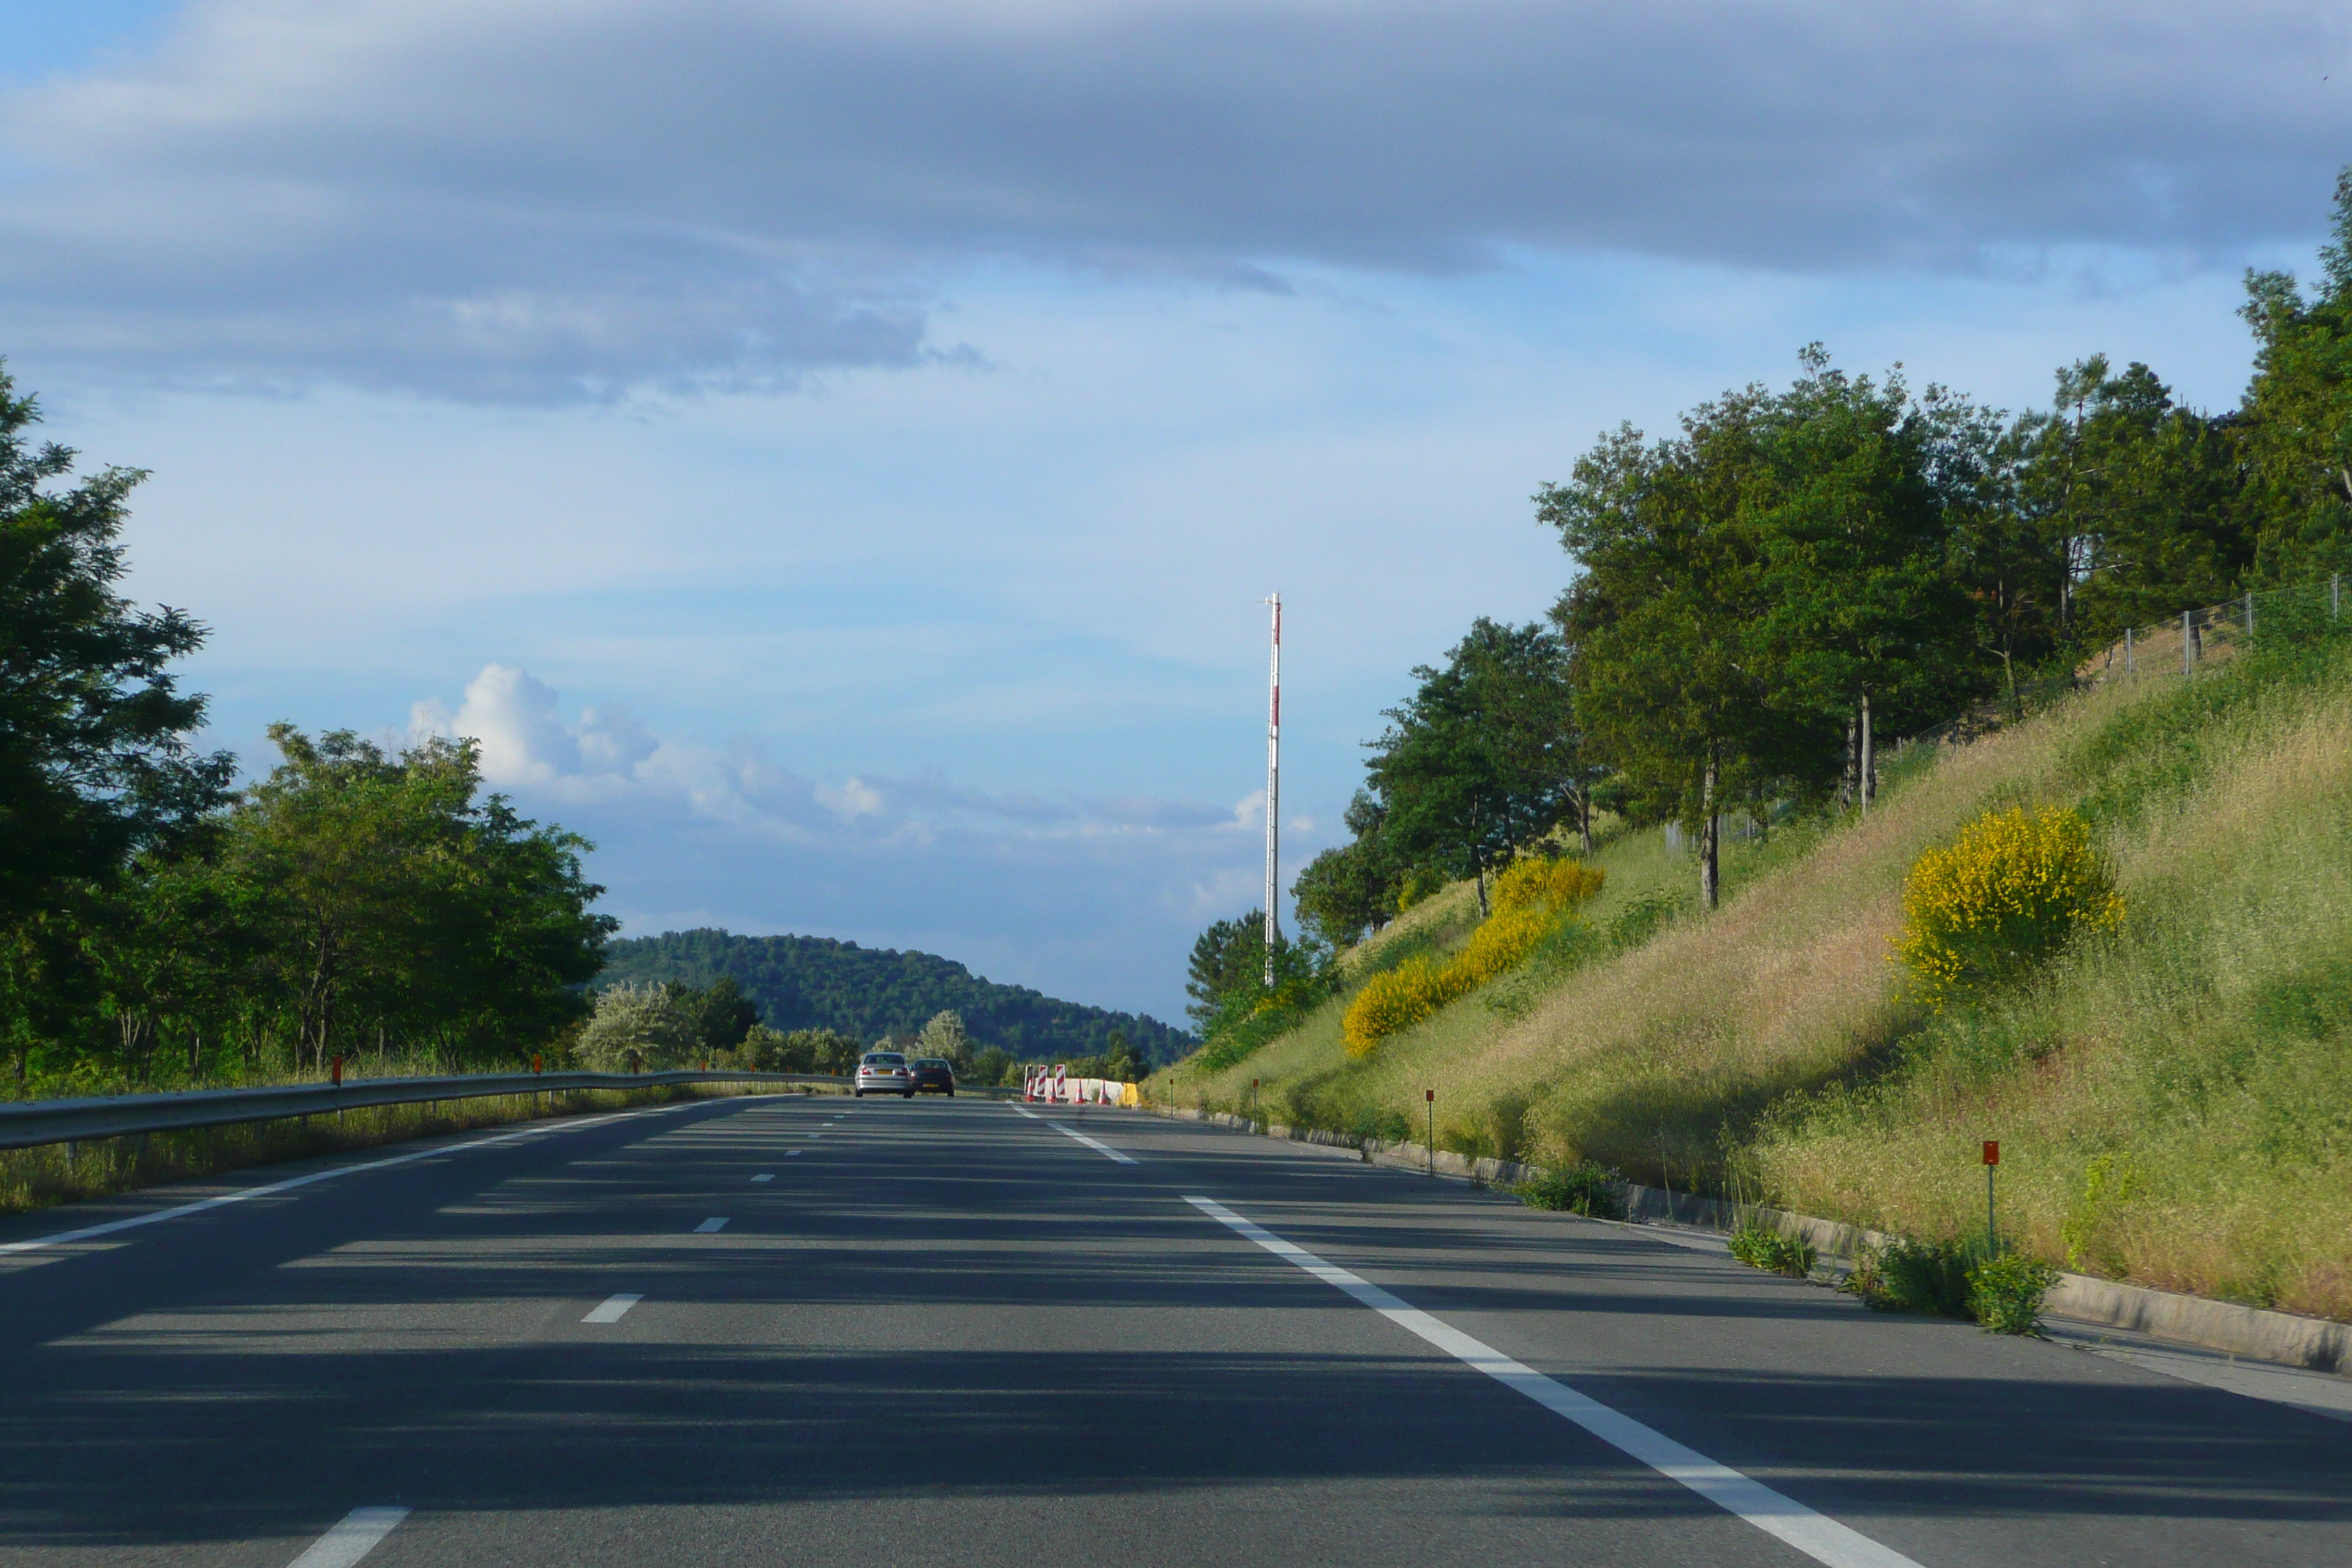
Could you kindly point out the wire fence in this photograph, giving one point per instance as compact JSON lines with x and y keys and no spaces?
{"x":2176,"y":646}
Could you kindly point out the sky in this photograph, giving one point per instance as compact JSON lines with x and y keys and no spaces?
{"x":835,"y":456}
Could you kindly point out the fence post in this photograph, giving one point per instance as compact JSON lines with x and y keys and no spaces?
{"x":1992,"y":1232}
{"x":2128,"y":651}
{"x":2187,"y":646}
{"x":2250,"y":612}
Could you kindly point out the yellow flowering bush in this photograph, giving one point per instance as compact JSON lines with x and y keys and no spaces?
{"x":1394,"y":1001}
{"x":1529,"y":898}
{"x":2007,"y":892}
{"x":1539,"y":883}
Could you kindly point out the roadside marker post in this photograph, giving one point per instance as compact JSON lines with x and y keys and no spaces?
{"x":1992,"y":1236}
{"x":1431,"y":1095}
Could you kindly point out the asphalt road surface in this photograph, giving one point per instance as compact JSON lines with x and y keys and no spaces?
{"x":812,"y":1331}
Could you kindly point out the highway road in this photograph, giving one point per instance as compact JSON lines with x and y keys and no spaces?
{"x":814,"y":1331}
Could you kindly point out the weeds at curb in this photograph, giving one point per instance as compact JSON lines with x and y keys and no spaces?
{"x":1761,"y":1248}
{"x":1582,"y":1188}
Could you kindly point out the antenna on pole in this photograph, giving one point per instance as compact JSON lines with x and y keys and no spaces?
{"x":1273,"y":789}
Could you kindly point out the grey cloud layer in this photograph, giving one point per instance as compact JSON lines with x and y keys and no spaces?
{"x":513,"y":199}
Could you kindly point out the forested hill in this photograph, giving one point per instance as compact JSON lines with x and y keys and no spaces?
{"x":813,"y":982}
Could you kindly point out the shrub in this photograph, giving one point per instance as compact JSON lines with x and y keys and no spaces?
{"x":645,"y":1028}
{"x":1500,"y":945}
{"x":1396,"y":1001}
{"x":1582,"y":1188}
{"x":2005,"y":894}
{"x":2005,"y":1293}
{"x":1530,"y":899}
{"x":1539,"y":883}
{"x":1643,"y":916}
{"x":1916,"y":1277}
{"x":1759,"y":1246}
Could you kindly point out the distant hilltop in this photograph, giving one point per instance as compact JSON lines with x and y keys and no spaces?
{"x":814,"y":981}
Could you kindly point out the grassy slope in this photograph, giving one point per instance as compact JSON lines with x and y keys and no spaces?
{"x":2199,"y":1057}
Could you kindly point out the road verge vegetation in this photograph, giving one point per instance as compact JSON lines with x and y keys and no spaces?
{"x":55,"y":1173}
{"x":2163,"y":1045}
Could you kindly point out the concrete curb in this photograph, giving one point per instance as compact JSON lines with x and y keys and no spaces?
{"x":2317,"y":1344}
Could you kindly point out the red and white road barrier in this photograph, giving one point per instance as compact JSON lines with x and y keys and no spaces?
{"x":1055,"y":1086}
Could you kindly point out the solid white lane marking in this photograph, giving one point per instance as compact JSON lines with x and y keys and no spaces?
{"x":1104,"y":1150}
{"x":710,"y":1226}
{"x":615,"y":1309}
{"x":765,"y":1177}
{"x":290,"y":1183}
{"x":1817,"y":1535}
{"x":359,"y":1533}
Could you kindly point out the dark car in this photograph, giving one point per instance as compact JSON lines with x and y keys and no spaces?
{"x":933,"y":1076}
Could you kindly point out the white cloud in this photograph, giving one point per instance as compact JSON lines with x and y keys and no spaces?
{"x":513,"y":718}
{"x":515,"y":200}
{"x":607,"y":755}
{"x":1093,"y":898}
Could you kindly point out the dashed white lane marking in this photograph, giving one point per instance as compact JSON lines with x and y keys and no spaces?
{"x":290,"y":1183}
{"x":1022,"y":1110}
{"x":1818,"y":1536}
{"x":359,"y":1533}
{"x":615,"y":1309}
{"x":765,"y":1177}
{"x":1104,"y":1150}
{"x":794,"y":1154}
{"x":710,"y":1226}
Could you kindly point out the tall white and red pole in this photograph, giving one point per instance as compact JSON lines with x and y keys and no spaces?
{"x":1273,"y":790}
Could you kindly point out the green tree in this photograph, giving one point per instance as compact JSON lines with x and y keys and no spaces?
{"x":640,"y":1028}
{"x":95,"y":763}
{"x":1347,"y":890}
{"x":1228,"y":959}
{"x":1671,"y":684}
{"x":1853,"y":508}
{"x":944,"y":1036}
{"x":2148,"y":502}
{"x":388,"y":900}
{"x":1474,"y":766}
{"x":723,"y":1018}
{"x":2297,"y":412}
{"x":1227,"y":975}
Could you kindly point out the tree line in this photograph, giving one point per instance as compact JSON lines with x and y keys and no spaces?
{"x":820,"y":982}
{"x":160,"y":926}
{"x":652,"y":1027}
{"x":1791,"y":575}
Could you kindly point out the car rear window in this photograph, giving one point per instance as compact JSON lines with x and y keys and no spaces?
{"x":885,"y":1059}
{"x":929,"y":1062}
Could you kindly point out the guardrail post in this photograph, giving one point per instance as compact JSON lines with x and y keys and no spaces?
{"x":2187,"y":646}
{"x":2127,"y":652}
{"x":2250,"y":612}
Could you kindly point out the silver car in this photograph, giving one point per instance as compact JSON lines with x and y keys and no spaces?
{"x":884,"y":1072}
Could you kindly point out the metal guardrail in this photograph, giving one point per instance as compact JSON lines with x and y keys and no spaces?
{"x":30,"y":1124}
